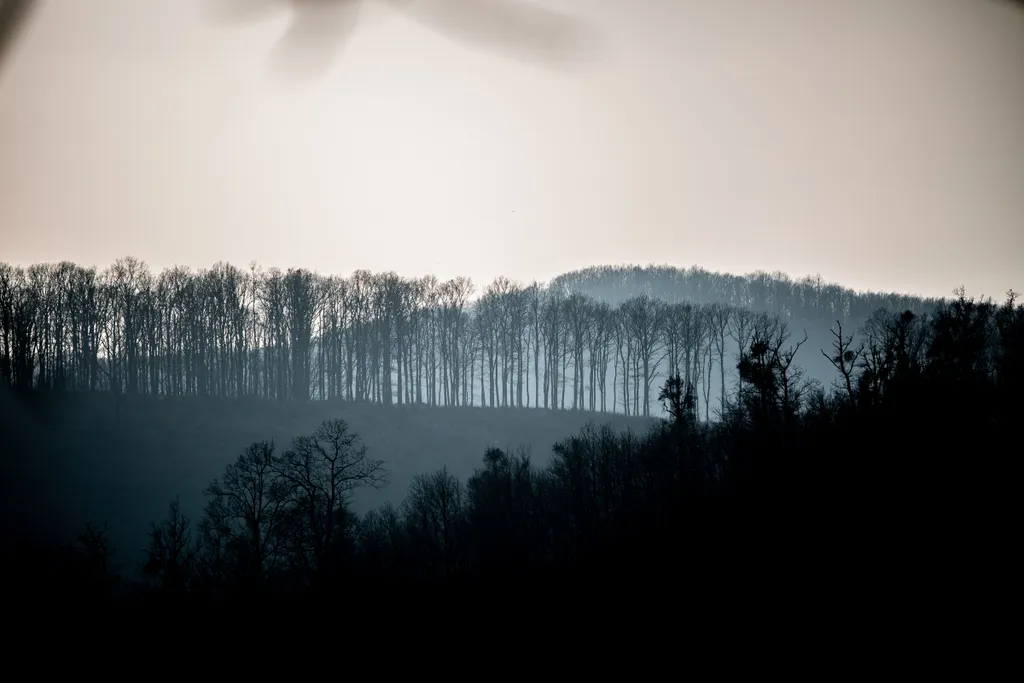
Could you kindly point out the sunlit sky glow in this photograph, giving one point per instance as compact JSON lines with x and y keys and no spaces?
{"x":879,"y":143}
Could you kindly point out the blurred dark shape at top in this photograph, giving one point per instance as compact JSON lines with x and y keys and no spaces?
{"x":242,"y":11}
{"x":12,"y":17}
{"x":316,"y":34}
{"x":515,"y":28}
{"x":319,"y":29}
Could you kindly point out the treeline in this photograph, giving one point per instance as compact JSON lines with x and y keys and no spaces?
{"x":597,"y":340}
{"x":926,"y":406}
{"x":807,"y":302}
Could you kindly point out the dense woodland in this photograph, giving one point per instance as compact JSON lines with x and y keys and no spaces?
{"x":920,"y":412}
{"x":598,"y":339}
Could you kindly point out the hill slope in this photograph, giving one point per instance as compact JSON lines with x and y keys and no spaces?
{"x":72,"y":458}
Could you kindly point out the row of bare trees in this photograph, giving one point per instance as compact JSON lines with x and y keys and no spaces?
{"x":299,"y":335}
{"x":921,"y":412}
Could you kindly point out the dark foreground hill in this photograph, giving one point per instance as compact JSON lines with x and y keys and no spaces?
{"x":69,"y":459}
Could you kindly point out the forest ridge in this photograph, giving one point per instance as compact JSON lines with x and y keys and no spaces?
{"x":596,"y":339}
{"x":914,"y":433}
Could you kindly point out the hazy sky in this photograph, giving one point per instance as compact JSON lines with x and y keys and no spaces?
{"x":879,"y":143}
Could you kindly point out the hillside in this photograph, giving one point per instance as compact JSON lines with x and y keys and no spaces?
{"x":73,"y":458}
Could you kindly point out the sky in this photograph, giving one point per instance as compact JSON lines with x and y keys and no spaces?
{"x":878,"y":143}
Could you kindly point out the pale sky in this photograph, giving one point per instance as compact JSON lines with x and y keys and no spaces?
{"x":879,"y":143}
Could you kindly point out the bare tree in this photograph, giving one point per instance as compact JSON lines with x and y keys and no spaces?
{"x":172,"y":553}
{"x":94,"y":552}
{"x":719,"y":317}
{"x":554,"y":336}
{"x":845,"y":358}
{"x":741,"y":325}
{"x":454,"y":295}
{"x":579,"y":320}
{"x":644,"y":316}
{"x":382,"y":540}
{"x":319,"y":473}
{"x":242,"y":526}
{"x":304,"y":296}
{"x":777,"y":385}
{"x":435,"y":512}
{"x":599,"y":345}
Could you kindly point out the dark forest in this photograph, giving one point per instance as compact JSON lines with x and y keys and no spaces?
{"x":308,"y":430}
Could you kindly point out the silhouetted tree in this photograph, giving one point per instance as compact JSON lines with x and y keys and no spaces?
{"x":243,"y":529}
{"x":172,"y":554}
{"x":844,"y":359}
{"x":317,"y":476}
{"x":434,"y":510}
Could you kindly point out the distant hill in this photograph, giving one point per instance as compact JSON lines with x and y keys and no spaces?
{"x":72,"y":458}
{"x":808,"y":300}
